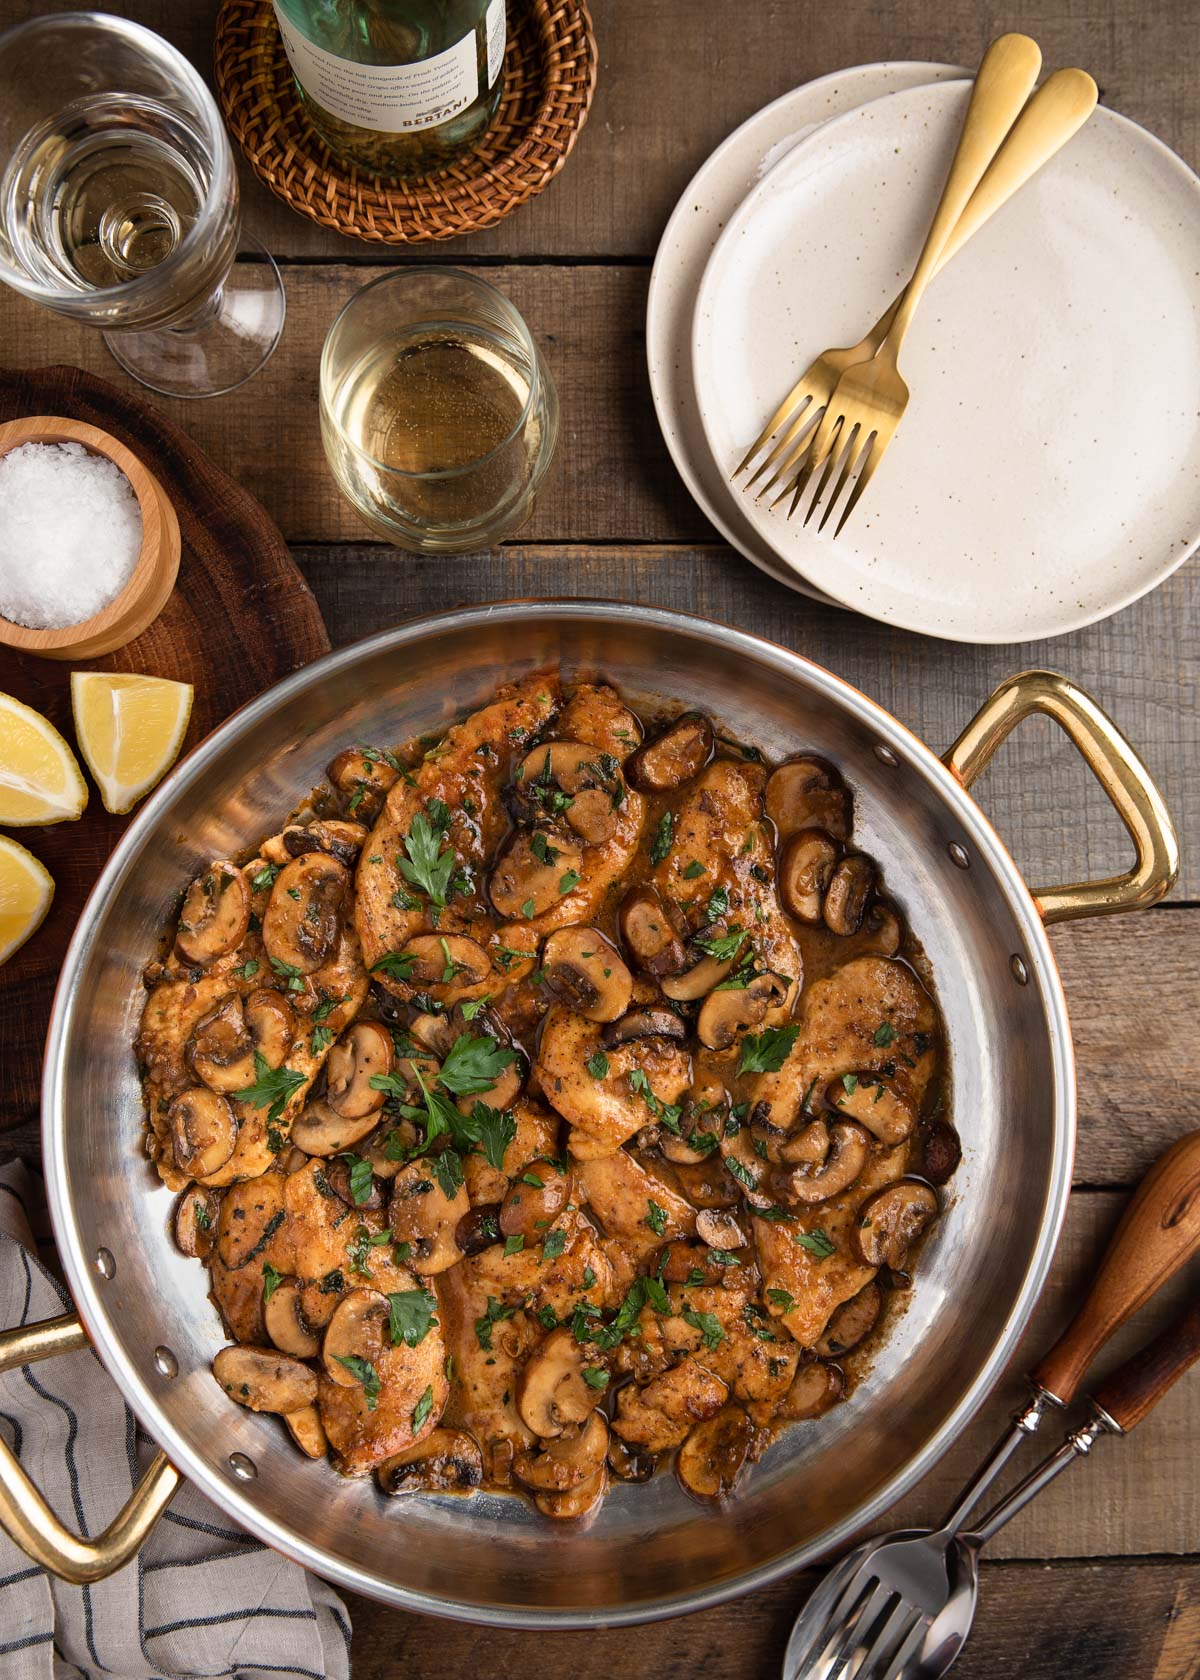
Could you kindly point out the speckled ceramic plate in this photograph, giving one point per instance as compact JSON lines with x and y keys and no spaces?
{"x":710,"y":199}
{"x":1047,"y":472}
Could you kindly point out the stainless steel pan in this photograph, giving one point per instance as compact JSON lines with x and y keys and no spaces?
{"x":652,"y":1551}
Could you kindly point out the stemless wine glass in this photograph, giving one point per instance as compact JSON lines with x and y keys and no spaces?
{"x":119,"y":203}
{"x":438,"y":415}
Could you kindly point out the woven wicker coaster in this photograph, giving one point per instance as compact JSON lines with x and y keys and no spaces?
{"x":550,"y":76}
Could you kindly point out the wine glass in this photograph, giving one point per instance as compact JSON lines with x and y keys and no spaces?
{"x":119,"y":203}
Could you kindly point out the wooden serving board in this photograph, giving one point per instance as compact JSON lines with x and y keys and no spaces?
{"x":241,"y":616}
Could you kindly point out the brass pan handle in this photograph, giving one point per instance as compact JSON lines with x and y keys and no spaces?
{"x":1115,"y":765}
{"x":24,"y":1513}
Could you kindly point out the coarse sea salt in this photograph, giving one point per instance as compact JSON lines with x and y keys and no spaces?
{"x":70,"y":534}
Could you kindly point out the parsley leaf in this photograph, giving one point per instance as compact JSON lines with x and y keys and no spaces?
{"x":397,"y":965}
{"x":422,"y":1409}
{"x":595,"y":1376}
{"x":247,"y":971}
{"x":597,"y":1064}
{"x":472,"y":1007}
{"x":474,"y":1064}
{"x":514,"y":1244}
{"x":271,"y":1281}
{"x":766,"y":1052}
{"x":429,"y":866}
{"x":493,"y":1128}
{"x":364,"y":1372}
{"x":781,"y":1299}
{"x":816,"y":1242}
{"x":885,"y":1034}
{"x":448,"y":1170}
{"x":290,"y":973}
{"x":661,"y":843}
{"x":554,"y":1244}
{"x":724,"y":946}
{"x":694,"y":869}
{"x":322,"y":1038}
{"x":362,"y":1179}
{"x":273,"y":1088}
{"x":492,"y":1316}
{"x":412,"y":1317}
{"x":718,"y":904}
{"x":656,"y":1218}
{"x":708,"y":1325}
{"x":568,"y":882}
{"x":264,"y":877}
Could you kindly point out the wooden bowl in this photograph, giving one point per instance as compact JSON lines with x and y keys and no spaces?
{"x":154,"y":572}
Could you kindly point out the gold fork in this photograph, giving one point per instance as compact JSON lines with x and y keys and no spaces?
{"x":1057,"y":110}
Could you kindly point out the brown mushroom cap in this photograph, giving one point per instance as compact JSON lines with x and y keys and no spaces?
{"x":529,"y":873}
{"x":363,"y":1053}
{"x":479,"y":1228}
{"x":363,"y":778}
{"x":850,"y":886}
{"x":882,"y":931}
{"x":891,"y":1220}
{"x":195,"y":1223}
{"x":875,"y":1102}
{"x":307,"y":1430}
{"x":644,"y":1023}
{"x":649,"y":935}
{"x":264,"y":1380}
{"x":337,"y":1174}
{"x":697,"y":981}
{"x":319,"y":1130}
{"x":565,"y":1460}
{"x":577,"y":1502}
{"x":354,"y":1332}
{"x":446,"y":1461}
{"x":676,"y":755}
{"x":215,"y":914}
{"x":582,"y":968}
{"x":941,"y":1151}
{"x":849,"y":1151}
{"x":529,"y":1209}
{"x":719,"y":1229}
{"x":808,"y":793}
{"x":853,"y":1320}
{"x":815,"y":1388}
{"x":726,"y":1015}
{"x":224,"y":1042}
{"x":285,"y":1322}
{"x":342,"y":840}
{"x":808,"y":1146}
{"x":551,"y":1391}
{"x":714,"y":1455}
{"x":629,"y":1463}
{"x":447,"y":960}
{"x":806,"y":866}
{"x":203,"y":1131}
{"x":304,"y":915}
{"x":422,"y":1214}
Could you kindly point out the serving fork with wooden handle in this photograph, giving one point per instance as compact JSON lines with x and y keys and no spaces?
{"x":1007,"y":154}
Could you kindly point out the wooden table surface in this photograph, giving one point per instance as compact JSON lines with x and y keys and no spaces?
{"x":1100,"y":1577}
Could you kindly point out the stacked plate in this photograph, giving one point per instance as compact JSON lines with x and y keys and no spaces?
{"x":1047,"y":471}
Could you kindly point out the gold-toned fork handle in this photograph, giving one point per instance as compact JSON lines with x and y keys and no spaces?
{"x":1005,"y":81}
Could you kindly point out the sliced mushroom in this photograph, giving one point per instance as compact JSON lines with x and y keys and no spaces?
{"x":808,"y":793}
{"x":447,"y":960}
{"x":697,"y":981}
{"x":224,"y":1042}
{"x":529,"y":874}
{"x":628,"y":1463}
{"x":567,"y":1459}
{"x":446,"y":1461}
{"x":853,"y":1320}
{"x":479,"y":1228}
{"x":649,"y":935}
{"x":583,"y":969}
{"x":941,"y":1151}
{"x":318,"y":1130}
{"x":749,"y":1170}
{"x":264,"y":1380}
{"x":342,"y":840}
{"x":435,"y":1032}
{"x":719,"y":1229}
{"x":815,"y":1388}
{"x":354,"y":1333}
{"x":195,"y":1222}
{"x":582,"y":783}
{"x":807,"y":1147}
{"x":849,"y":1150}
{"x":304,"y":915}
{"x":422,"y":1214}
{"x":701,"y":1128}
{"x":552,"y":1393}
{"x":285,"y":1322}
{"x":308,"y":1432}
{"x":502,"y":1094}
{"x":529,"y":1209}
{"x":891,"y":1220}
{"x":363,"y":1053}
{"x":644,"y":1023}
{"x":576,"y":1502}
{"x":593,"y":815}
{"x":688,"y":1263}
{"x":850,"y":886}
{"x":674,"y":757}
{"x":387,"y":1146}
{"x":726,"y":1015}
{"x":806,"y":866}
{"x":338,"y":1176}
{"x":362,"y":776}
{"x":882,"y":931}
{"x":215,"y":914}
{"x":875,"y":1102}
{"x":707,"y":1184}
{"x":714,"y":1455}
{"x":203,"y":1131}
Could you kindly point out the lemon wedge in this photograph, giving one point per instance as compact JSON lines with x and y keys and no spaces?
{"x":40,"y":779}
{"x":25,"y":893}
{"x":130,"y":729}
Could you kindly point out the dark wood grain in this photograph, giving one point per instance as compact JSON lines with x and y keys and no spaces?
{"x":240,"y":617}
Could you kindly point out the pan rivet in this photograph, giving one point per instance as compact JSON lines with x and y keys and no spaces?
{"x":243,"y":1468}
{"x":105,"y":1264}
{"x":1020,"y":972}
{"x":165,"y":1362}
{"x":958,"y":855}
{"x":885,"y":755}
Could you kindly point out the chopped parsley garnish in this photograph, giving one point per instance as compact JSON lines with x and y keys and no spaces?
{"x":289,"y":972}
{"x":474,"y":1064}
{"x":554,"y":1244}
{"x":723,"y":1257}
{"x":422,"y":1408}
{"x":717,"y":906}
{"x":429,"y":866}
{"x":754,"y":1317}
{"x":364,"y":1372}
{"x":741,"y":1172}
{"x":448,"y":1170}
{"x":527,"y":909}
{"x":542,"y":850}
{"x":816,"y":1242}
{"x":271,"y":1280}
{"x":492,"y":1128}
{"x":708,"y":1325}
{"x":766,"y":1052}
{"x":411,"y":1317}
{"x":492,"y":1316}
{"x":322,"y":1038}
{"x":362,"y":1179}
{"x":885,"y":1034}
{"x":667,"y":1113}
{"x":568,"y":882}
{"x":781,"y":1299}
{"x":202,"y":1220}
{"x":661,"y":843}
{"x":514,"y":1244}
{"x":472,"y":1007}
{"x":532,"y":1179}
{"x":694,"y":869}
{"x":597,"y":1064}
{"x":247,"y":971}
{"x":724,"y":946}
{"x":273,"y":1088}
{"x":595,"y":1376}
{"x":397,"y":965}
{"x":264,"y":877}
{"x":656,"y":1218}
{"x":850,"y":1082}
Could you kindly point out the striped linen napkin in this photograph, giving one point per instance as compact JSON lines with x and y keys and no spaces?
{"x":202,"y":1598}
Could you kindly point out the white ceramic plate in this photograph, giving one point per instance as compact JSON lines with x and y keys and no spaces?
{"x":712,"y":196}
{"x":1047,"y":471}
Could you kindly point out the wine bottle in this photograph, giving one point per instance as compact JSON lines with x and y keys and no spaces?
{"x":398,"y":87}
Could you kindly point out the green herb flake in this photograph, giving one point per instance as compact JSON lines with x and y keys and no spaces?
{"x":885,"y":1034}
{"x":693,"y":870}
{"x":816,"y":1242}
{"x":766,"y":1052}
{"x":494,"y":1313}
{"x":273,"y":1088}
{"x":411,"y":1316}
{"x":708,"y":1325}
{"x":781,"y":1299}
{"x":595,"y":1376}
{"x":397,"y":965}
{"x":514,"y":1245}
{"x":661,"y":843}
{"x":554,"y":1245}
{"x":474,"y":1064}
{"x":428,"y":865}
{"x":597,"y":1064}
{"x":422,"y":1409}
{"x":362,"y":1179}
{"x":271,"y":1280}
{"x":656,"y":1218}
{"x":247,"y":971}
{"x":364,"y":1372}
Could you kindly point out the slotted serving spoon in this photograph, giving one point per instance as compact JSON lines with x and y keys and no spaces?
{"x":900,"y":1607}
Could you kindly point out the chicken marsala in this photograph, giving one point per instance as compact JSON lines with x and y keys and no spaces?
{"x":551,"y":1100}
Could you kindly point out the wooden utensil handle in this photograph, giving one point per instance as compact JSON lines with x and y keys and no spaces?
{"x":1159,"y":1231}
{"x":1136,"y":1387}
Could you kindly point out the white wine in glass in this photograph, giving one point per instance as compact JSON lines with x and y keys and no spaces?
{"x":119,"y":203}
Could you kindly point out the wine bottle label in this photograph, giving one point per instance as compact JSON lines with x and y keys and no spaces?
{"x":396,"y":98}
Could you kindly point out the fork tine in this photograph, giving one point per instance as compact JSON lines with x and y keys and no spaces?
{"x":776,"y":420}
{"x":800,"y":423}
{"x":842,"y":1648}
{"x":849,"y":435}
{"x":836,"y":1624}
{"x":908,"y":1649}
{"x":880,"y":1663}
{"x":832,"y":434}
{"x":860,"y":443}
{"x":878,"y":449}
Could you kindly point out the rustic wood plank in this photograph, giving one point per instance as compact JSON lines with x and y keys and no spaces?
{"x":676,"y":77}
{"x":1143,"y":666}
{"x":1034,"y":1622}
